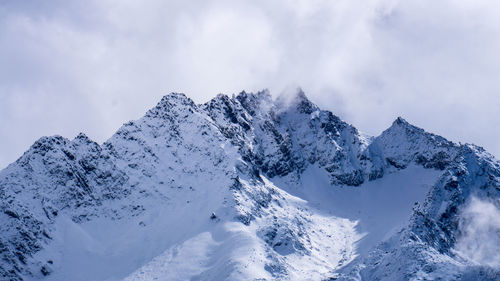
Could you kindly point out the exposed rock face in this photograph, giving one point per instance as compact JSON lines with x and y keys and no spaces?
{"x":226,"y":157}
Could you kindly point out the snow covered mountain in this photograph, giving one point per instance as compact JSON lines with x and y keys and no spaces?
{"x":250,"y":188}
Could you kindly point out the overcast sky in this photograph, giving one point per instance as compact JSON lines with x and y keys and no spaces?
{"x":89,"y":66}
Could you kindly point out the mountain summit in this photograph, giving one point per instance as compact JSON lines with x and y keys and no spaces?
{"x":250,"y":188}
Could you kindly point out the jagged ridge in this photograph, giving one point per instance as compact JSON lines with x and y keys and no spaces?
{"x":231,"y":145}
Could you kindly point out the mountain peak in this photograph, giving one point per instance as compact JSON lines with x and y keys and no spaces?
{"x":263,"y":95}
{"x":401,"y":121}
{"x":304,"y":105}
{"x":401,"y":127}
{"x":401,"y":124}
{"x":82,"y":137}
{"x":45,"y":143}
{"x":300,"y":95}
{"x":84,"y":142}
{"x":298,"y":101}
{"x":175,"y":98}
{"x":253,"y":101}
{"x":171,"y":102}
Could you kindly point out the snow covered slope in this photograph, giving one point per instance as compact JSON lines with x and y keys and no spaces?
{"x":250,"y":188}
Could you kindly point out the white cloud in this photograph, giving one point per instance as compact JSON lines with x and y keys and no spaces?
{"x":70,"y":66}
{"x":479,"y":229}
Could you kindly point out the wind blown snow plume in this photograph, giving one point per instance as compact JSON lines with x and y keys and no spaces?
{"x":479,"y":232}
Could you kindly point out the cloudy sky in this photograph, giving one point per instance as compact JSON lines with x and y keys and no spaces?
{"x":71,"y":66}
